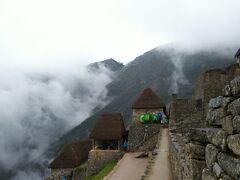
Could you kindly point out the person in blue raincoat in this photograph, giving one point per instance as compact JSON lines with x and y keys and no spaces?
{"x":159,"y":117}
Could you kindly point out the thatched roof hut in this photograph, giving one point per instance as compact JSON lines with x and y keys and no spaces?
{"x":72,"y":155}
{"x":109,"y":126}
{"x":148,"y":100}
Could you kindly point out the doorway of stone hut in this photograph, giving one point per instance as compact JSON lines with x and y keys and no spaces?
{"x":110,"y":145}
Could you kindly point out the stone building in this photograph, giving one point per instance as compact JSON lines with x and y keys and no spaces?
{"x":143,"y":137}
{"x":107,"y":139}
{"x":147,"y":102}
{"x":186,"y":113}
{"x":211,"y":83}
{"x":204,"y":131}
{"x":237,"y":56}
{"x":72,"y":156}
{"x":108,"y":132}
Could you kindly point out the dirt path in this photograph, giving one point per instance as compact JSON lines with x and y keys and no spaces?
{"x":161,"y":168}
{"x":128,"y":168}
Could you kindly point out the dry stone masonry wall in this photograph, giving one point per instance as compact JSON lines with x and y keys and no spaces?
{"x":213,"y":152}
{"x":223,"y":148}
{"x":97,"y":159}
{"x":204,"y":132}
{"x":187,"y":156}
{"x":186,"y":113}
{"x":143,"y":137}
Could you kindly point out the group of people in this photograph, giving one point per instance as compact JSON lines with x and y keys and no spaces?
{"x":153,"y":118}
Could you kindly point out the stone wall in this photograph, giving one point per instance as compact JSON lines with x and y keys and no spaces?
{"x":185,"y":114}
{"x":211,"y":83}
{"x":212,"y":152}
{"x":143,"y":137}
{"x":223,"y":148}
{"x":186,"y":157}
{"x":138,"y":112}
{"x":56,"y":174}
{"x":203,"y":131}
{"x":80,"y":172}
{"x":97,"y":159}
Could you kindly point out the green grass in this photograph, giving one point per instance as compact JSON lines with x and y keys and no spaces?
{"x":104,"y":172}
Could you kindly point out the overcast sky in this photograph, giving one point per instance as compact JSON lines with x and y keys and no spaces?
{"x":39,"y":33}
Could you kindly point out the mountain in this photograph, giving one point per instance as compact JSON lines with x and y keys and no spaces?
{"x":165,"y":70}
{"x":110,"y":64}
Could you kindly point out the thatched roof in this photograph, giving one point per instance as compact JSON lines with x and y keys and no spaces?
{"x":109,"y":126}
{"x":238,"y":53}
{"x":72,"y":155}
{"x":148,"y":100}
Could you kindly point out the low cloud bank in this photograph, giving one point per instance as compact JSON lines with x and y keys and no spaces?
{"x":37,"y":108}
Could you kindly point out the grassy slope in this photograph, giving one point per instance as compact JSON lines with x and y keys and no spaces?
{"x":104,"y":172}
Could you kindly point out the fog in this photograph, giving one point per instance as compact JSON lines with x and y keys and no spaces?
{"x":51,"y":32}
{"x":178,"y":77}
{"x":44,"y":88}
{"x":37,"y":108}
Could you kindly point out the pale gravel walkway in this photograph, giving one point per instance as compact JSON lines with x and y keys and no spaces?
{"x":161,"y":169}
{"x":128,"y":168}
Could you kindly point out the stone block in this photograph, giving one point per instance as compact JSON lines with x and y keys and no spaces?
{"x":217,"y":170}
{"x":236,"y":124}
{"x":226,"y":101}
{"x":233,"y":143}
{"x":227,"y":124}
{"x":235,"y":86}
{"x":206,"y":175}
{"x":196,"y":169}
{"x":211,"y":152}
{"x":234,"y":107}
{"x":226,"y":177}
{"x":229,"y":164}
{"x":197,"y":134}
{"x":219,"y":101}
{"x":195,"y":151}
{"x":217,"y":137}
{"x":215,"y":102}
{"x":227,"y":91}
{"x":215,"y":116}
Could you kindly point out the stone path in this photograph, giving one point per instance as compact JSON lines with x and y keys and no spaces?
{"x":160,"y":169}
{"x":129,"y":168}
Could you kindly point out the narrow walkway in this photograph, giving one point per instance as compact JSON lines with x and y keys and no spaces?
{"x":129,"y":168}
{"x":161,"y":168}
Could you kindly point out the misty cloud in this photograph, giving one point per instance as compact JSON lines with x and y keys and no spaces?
{"x":178,"y":77}
{"x":110,"y":28}
{"x":36,"y":109}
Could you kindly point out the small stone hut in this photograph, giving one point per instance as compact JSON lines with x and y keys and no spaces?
{"x":108,"y":132}
{"x":72,"y":156}
{"x":147,"y":102}
{"x":237,"y":56}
